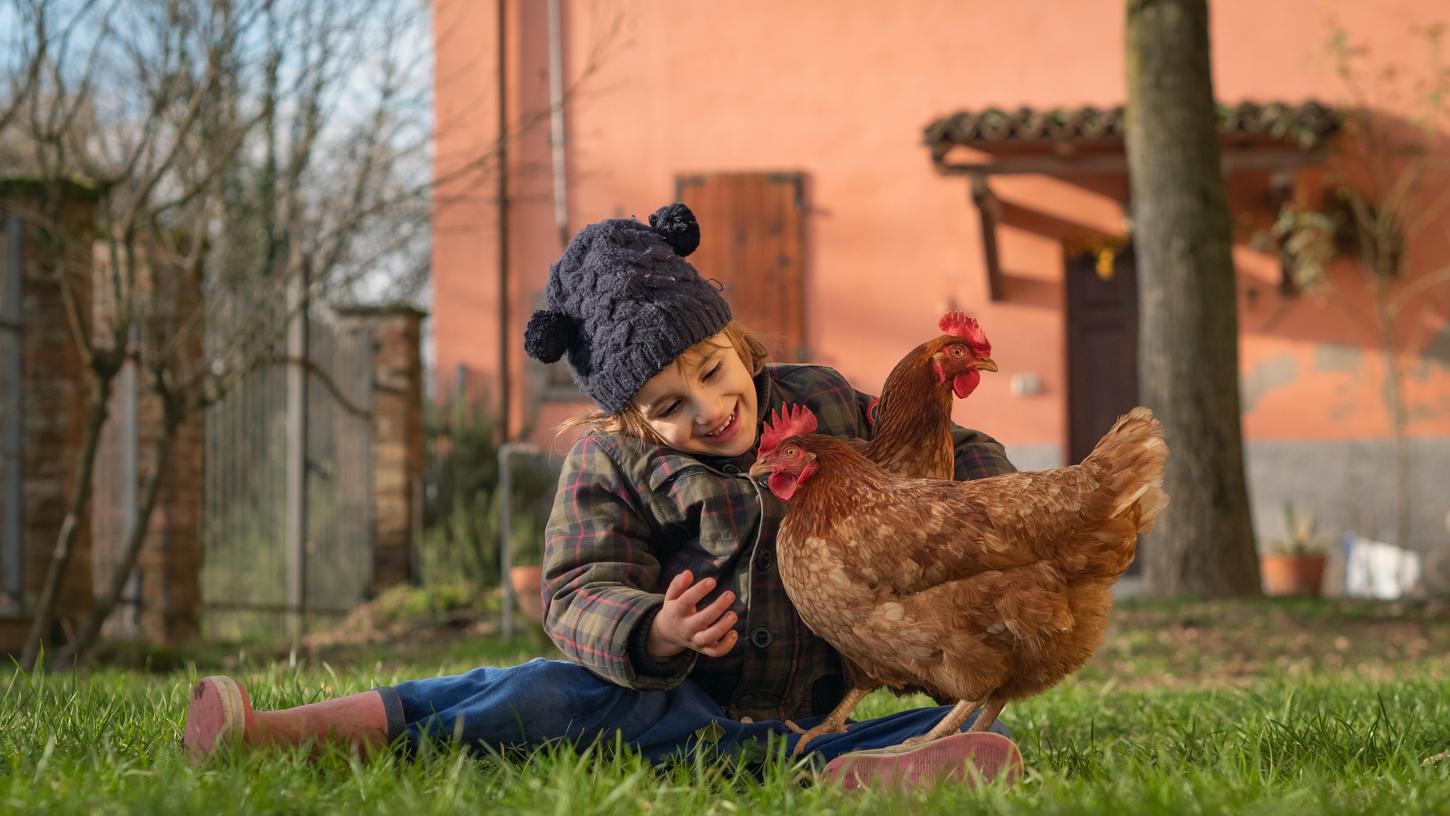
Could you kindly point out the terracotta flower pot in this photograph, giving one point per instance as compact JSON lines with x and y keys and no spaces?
{"x":527,"y":583}
{"x":1292,"y":574}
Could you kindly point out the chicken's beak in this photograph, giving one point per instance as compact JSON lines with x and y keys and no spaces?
{"x":986,"y":364}
{"x":760,"y":468}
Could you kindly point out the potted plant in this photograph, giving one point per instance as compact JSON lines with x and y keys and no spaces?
{"x":463,"y":505}
{"x":1294,"y":563}
{"x":526,"y":555}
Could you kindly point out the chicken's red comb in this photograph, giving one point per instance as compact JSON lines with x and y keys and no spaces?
{"x":793,"y":421}
{"x":957,"y":324}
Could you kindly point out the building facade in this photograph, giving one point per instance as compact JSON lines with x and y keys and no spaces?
{"x":859,"y":169}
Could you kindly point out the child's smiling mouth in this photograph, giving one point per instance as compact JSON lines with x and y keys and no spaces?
{"x":727,"y":430}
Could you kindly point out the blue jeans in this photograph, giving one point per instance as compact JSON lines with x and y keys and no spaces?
{"x":546,"y":701}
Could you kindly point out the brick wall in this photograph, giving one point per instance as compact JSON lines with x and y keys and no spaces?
{"x":54,"y":385}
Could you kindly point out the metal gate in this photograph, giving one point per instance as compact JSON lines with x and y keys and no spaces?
{"x":285,"y":551}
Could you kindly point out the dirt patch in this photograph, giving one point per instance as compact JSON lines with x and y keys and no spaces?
{"x":1235,"y":643}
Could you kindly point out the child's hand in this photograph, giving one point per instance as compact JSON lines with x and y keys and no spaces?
{"x":679,"y":625}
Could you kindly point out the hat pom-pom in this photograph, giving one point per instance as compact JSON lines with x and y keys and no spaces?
{"x":676,"y":224}
{"x":548,"y":335}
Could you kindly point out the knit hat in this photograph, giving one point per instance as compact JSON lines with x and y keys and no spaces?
{"x":623,"y":303}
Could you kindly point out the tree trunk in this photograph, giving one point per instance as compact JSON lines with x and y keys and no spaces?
{"x":89,"y":630}
{"x":1203,"y":543}
{"x":96,"y":413}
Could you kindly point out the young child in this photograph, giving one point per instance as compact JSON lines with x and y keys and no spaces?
{"x":659,"y":577}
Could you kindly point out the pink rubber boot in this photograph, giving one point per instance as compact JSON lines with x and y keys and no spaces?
{"x":221,"y":714}
{"x":961,"y":758}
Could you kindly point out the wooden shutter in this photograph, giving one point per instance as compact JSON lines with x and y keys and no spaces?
{"x":751,"y":240}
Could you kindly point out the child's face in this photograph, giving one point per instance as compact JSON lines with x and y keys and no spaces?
{"x":704,"y":403}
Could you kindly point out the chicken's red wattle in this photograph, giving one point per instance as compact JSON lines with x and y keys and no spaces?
{"x":965,"y":383}
{"x":782,"y":485}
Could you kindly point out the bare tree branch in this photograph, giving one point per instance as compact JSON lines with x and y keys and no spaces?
{"x":237,"y":143}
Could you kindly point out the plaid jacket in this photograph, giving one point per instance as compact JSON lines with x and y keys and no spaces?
{"x":630,"y":516}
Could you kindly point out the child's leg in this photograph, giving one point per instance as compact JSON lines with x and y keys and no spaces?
{"x":548,"y":700}
{"x":523,"y":706}
{"x":545,"y":701}
{"x":221,"y":712}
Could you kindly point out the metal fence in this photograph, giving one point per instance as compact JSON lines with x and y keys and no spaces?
{"x":287,"y":535}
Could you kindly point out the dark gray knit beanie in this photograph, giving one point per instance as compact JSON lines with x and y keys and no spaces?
{"x":623,"y":304}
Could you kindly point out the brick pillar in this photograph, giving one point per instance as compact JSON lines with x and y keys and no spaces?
{"x":54,"y":386}
{"x":397,"y":441}
{"x":170,"y":560}
{"x":168,"y":567}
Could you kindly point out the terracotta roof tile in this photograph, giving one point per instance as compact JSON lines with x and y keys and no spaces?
{"x":1305,"y":125}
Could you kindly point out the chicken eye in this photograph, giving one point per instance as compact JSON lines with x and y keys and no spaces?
{"x":958,"y":352}
{"x":790,"y":452}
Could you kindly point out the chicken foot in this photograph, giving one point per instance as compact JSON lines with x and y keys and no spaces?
{"x":947,"y":725}
{"x":834,"y":723}
{"x":989,"y":715}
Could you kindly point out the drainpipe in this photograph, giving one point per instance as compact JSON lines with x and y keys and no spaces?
{"x":10,"y":447}
{"x":556,"y":122}
{"x":128,"y":387}
{"x":505,"y":337}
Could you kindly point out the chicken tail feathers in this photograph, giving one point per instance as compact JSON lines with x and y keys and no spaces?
{"x":1129,"y":462}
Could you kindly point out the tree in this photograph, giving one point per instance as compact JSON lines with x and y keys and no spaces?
{"x":21,"y":63}
{"x":277,"y":150}
{"x":1203,"y":543}
{"x":1388,"y":186}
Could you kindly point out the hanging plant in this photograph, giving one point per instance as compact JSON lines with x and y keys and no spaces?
{"x":1308,"y":241}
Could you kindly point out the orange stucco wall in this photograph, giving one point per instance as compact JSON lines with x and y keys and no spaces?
{"x":840,"y":92}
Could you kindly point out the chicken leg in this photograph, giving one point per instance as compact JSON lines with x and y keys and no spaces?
{"x":989,"y":715}
{"x":948,"y":724}
{"x":834,"y":723}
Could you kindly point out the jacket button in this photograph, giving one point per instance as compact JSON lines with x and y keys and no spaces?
{"x":761,"y":637}
{"x":730,"y":469}
{"x":764,"y":560}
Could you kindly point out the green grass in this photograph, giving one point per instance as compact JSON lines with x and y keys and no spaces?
{"x":1190,"y":708}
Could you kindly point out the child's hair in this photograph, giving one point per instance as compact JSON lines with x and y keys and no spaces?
{"x":630,"y":421}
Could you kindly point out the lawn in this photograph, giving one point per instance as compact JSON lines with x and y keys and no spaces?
{"x":1252,"y":707}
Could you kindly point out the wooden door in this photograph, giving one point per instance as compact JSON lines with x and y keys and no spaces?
{"x":752,"y":228}
{"x":1102,"y":347}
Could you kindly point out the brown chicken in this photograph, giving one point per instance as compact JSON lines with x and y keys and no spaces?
{"x":914,"y":415}
{"x":914,"y":424}
{"x":979,"y":592}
